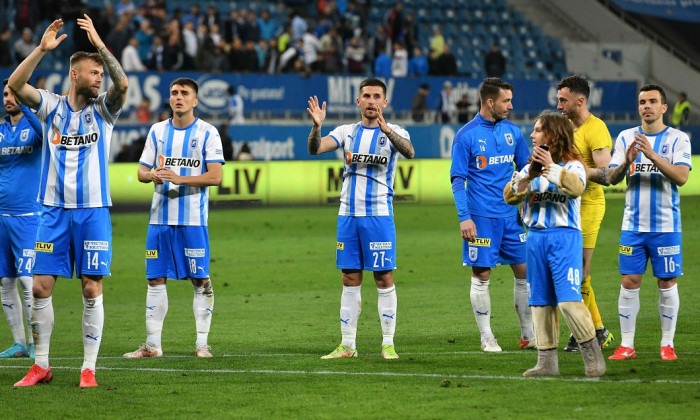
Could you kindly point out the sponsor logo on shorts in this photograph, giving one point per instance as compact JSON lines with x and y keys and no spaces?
{"x":523,"y":237}
{"x":669,"y":250}
{"x":473,"y":253}
{"x":43,"y":247}
{"x":96,"y":245}
{"x":151,"y":254}
{"x":28,"y":253}
{"x":340,"y":246}
{"x":626,"y":250}
{"x":480,"y":242}
{"x":375,"y":246}
{"x":195,"y":252}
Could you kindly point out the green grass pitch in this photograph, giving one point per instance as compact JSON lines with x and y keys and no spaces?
{"x":277,"y":301}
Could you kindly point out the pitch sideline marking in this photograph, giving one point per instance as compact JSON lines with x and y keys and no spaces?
{"x":381,"y":374}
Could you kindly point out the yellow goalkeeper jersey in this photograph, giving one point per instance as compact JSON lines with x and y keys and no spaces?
{"x":592,"y":135}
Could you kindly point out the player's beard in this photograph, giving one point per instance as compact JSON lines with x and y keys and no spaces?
{"x":86,"y":91}
{"x":13,"y":111}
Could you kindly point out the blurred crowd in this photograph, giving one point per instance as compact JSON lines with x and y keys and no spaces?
{"x":265,"y":37}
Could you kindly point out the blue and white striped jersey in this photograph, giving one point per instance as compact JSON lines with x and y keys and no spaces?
{"x":547,"y":206}
{"x":186,"y":151}
{"x":652,"y":201}
{"x":20,"y":162}
{"x":369,"y":170}
{"x":75,"y":153}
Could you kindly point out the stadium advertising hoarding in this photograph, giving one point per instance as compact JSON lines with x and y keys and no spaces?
{"x":288,"y":93}
{"x":686,"y":10}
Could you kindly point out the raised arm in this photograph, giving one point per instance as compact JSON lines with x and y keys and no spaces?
{"x":17,"y":82}
{"x":317,"y":144}
{"x":116,"y":95}
{"x":401,"y":144}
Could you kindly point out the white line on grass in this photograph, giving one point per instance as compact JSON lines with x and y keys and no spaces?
{"x":381,"y":374}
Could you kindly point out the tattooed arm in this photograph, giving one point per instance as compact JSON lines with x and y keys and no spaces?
{"x":116,"y":95}
{"x":402,"y":145}
{"x":613,"y":175}
{"x":317,"y":144}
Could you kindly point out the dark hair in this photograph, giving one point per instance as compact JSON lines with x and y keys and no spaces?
{"x":82,"y":55}
{"x":186,"y":81}
{"x":373,"y":82}
{"x":576,"y":84}
{"x":491,"y":87}
{"x":649,"y":88}
{"x":560,"y":132}
{"x":231,"y":89}
{"x":4,"y":82}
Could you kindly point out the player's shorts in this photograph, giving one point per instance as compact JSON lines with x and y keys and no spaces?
{"x":68,"y":238}
{"x":17,"y":236}
{"x":591,"y":217}
{"x":499,"y":241}
{"x":177,"y":252}
{"x":554,"y":265}
{"x":662,"y":248}
{"x":366,"y":243}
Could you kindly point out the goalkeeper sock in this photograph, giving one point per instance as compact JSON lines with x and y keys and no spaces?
{"x":42,"y":326}
{"x":93,"y":321}
{"x":26,"y":283}
{"x":350,"y":309}
{"x":387,"y":304}
{"x":203,"y":307}
{"x":669,"y":303}
{"x":522,"y":308}
{"x":588,"y":296}
{"x":156,"y":309}
{"x":481,"y":305}
{"x":628,"y":308}
{"x":12,"y":306}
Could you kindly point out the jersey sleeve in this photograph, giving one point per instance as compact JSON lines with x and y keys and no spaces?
{"x":48,"y":102}
{"x":101,"y":107}
{"x":460,"y":157}
{"x":213,"y":151}
{"x":338,"y":134}
{"x":148,"y":156}
{"x":401,"y":131}
{"x":33,"y":121}
{"x":625,"y":138}
{"x":682,"y":151}
{"x":578,"y":168}
{"x":600,"y":136}
{"x":522,"y":153}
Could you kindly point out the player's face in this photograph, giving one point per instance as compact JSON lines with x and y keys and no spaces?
{"x":567,"y":103}
{"x":538,"y":136}
{"x":87,"y":76}
{"x":502,"y":105}
{"x":10,"y":102}
{"x":650,"y":106}
{"x":182,"y":99}
{"x":371,"y":100}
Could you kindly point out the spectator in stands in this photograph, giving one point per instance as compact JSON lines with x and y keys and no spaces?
{"x":193,"y":17}
{"x":355,"y":55}
{"x":437,"y":42}
{"x":463,"y":106}
{"x":156,"y":55}
{"x":418,"y":64}
{"x":322,"y":27}
{"x":212,"y":16}
{"x":26,"y":15}
{"x":125,"y":8}
{"x":106,"y":21}
{"x":445,"y":104}
{"x":154,"y":11}
{"x":130,"y":57}
{"x":215,"y":34}
{"x":446,"y":64}
{"x":261,"y":49}
{"x":495,"y":62}
{"x":143,"y":111}
{"x":250,"y":58}
{"x":410,"y":32}
{"x":393,"y":21}
{"x":245,"y":154}
{"x":681,"y":111}
{"x":218,"y":58}
{"x":272,"y":57}
{"x":399,"y":61}
{"x":226,"y":142}
{"x":332,"y":60}
{"x":231,"y":27}
{"x":202,"y":35}
{"x":382,"y":65}
{"x":419,"y":104}
{"x":24,"y":45}
{"x":380,"y":43}
{"x":285,"y":39}
{"x":299,"y":25}
{"x":235,"y":107}
{"x":205,"y":53}
{"x":310,"y":48}
{"x":267,"y":25}
{"x":331,"y":37}
{"x":145,"y":35}
{"x":174,"y":55}
{"x":251,"y":28}
{"x":118,"y":37}
{"x":190,"y":45}
{"x":5,"y":49}
{"x":236,"y":55}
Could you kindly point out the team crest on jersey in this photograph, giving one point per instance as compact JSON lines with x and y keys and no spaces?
{"x":382,"y":141}
{"x":193,"y":143}
{"x":473,"y":253}
{"x":88,"y":118}
{"x":664,"y":149}
{"x":509,"y":139}
{"x":24,"y":135}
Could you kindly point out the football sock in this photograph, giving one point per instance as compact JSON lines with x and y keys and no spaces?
{"x":578,"y":318}
{"x":628,"y":308}
{"x":93,"y":321}
{"x":203,"y":307}
{"x":522,"y":308}
{"x":12,"y":306}
{"x":546,"y":322}
{"x":42,"y":323}
{"x":481,"y":305}
{"x":350,"y":309}
{"x":386,"y":304}
{"x":589,"y":299}
{"x":26,"y":282}
{"x":156,"y":309}
{"x":669,"y":303}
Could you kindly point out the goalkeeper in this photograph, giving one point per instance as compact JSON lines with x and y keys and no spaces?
{"x":555,"y":244}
